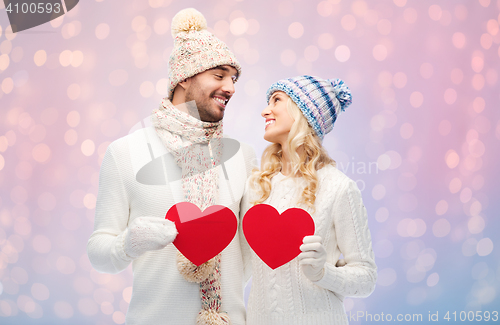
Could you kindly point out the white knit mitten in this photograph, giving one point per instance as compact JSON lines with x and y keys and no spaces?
{"x":147,"y":234}
{"x":313,"y":257}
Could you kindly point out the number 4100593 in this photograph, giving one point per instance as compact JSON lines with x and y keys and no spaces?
{"x":472,"y":316}
{"x":34,"y":8}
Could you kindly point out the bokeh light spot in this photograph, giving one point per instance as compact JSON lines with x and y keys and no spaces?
{"x":295,"y":30}
{"x":139,"y":23}
{"x":451,"y":158}
{"x":432,"y":279}
{"x":465,"y":195}
{"x":379,"y":52}
{"x":399,"y":80}
{"x":238,"y":26}
{"x":73,"y":119}
{"x":65,"y":58}
{"x":450,"y":96}
{"x":41,"y":244}
{"x":4,"y":62}
{"x":441,"y":228}
{"x":118,"y":317}
{"x":378,"y":192}
{"x":41,"y":153}
{"x":492,"y":27}
{"x":70,"y":137}
{"x":348,"y":22}
{"x":74,"y":91}
{"x":458,"y":40}
{"x":89,"y":201}
{"x":406,"y":130}
{"x":40,"y":58}
{"x":455,"y":185}
{"x":342,"y":53}
{"x":102,"y":31}
{"x":416,"y":99}
{"x":161,"y":26}
{"x":7,"y":85}
{"x":382,"y":214}
{"x":325,"y":8}
{"x":88,"y":147}
{"x":39,"y":291}
{"x":484,"y":247}
{"x":435,"y":12}
{"x":147,"y":89}
{"x":410,"y":15}
{"x":384,"y":27}
{"x":476,"y":224}
{"x":441,"y":207}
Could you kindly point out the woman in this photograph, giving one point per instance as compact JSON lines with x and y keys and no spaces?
{"x":296,"y":171}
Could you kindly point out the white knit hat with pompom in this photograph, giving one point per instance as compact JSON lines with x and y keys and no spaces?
{"x":195,"y":48}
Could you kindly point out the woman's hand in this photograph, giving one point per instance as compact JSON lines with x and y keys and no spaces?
{"x":313,"y":257}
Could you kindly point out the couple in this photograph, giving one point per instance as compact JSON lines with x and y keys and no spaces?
{"x":296,"y":171}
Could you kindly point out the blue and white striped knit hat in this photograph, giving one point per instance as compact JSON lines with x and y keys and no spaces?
{"x":320,"y":100}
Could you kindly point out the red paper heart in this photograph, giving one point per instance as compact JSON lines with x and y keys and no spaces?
{"x":276,"y":238}
{"x":201,"y":236}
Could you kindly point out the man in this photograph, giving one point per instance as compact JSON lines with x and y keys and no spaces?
{"x":137,"y":186}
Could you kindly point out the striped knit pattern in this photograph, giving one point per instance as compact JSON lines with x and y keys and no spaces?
{"x":195,"y":49}
{"x":320,"y":100}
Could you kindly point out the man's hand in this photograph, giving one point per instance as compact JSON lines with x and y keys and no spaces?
{"x":313,"y":257}
{"x":147,"y":234}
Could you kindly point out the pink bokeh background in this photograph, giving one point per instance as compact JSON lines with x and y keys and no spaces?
{"x":421,"y":138}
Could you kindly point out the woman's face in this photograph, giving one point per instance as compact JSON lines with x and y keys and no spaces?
{"x":278,"y":120}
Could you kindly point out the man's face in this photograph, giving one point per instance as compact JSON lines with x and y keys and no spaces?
{"x":211,"y":90}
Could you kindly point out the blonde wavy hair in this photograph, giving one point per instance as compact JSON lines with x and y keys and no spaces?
{"x":306,"y":155}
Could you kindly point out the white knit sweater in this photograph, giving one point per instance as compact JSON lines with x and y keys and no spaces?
{"x":160,"y":294}
{"x":284,"y":295}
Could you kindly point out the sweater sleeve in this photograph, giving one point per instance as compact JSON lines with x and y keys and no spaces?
{"x":105,"y":247}
{"x":358,"y":276}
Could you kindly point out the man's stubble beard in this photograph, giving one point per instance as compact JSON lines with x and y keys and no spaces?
{"x":201,"y":109}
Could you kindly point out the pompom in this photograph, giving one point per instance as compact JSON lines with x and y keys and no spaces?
{"x":211,"y":317}
{"x":342,"y":93}
{"x":193,"y":273}
{"x":188,"y":20}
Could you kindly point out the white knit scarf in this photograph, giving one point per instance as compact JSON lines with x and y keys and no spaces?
{"x":197,"y":156}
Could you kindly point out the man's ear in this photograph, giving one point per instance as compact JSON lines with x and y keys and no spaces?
{"x":185,"y":83}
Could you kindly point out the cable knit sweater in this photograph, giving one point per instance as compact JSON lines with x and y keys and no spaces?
{"x":284,"y":295}
{"x":160,"y":294}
